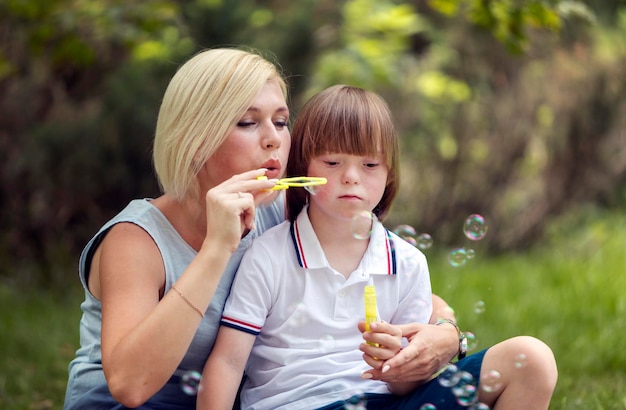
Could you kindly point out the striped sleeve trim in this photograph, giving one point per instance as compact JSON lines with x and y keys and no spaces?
{"x":240,"y":325}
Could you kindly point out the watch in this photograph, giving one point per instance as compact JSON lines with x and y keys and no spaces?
{"x":462,"y":346}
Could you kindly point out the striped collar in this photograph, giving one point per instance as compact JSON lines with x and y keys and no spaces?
{"x":380,"y":257}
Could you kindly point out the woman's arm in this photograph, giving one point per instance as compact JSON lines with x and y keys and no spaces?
{"x":146,"y":333}
{"x":224,"y":369}
{"x":144,"y":337}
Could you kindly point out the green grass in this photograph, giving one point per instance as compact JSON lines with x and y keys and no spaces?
{"x":569,"y":292}
{"x":38,"y":338}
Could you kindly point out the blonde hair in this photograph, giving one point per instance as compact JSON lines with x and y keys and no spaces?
{"x":343,"y":119}
{"x":202,"y":103}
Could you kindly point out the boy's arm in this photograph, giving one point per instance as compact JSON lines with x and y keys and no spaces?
{"x":224,"y":369}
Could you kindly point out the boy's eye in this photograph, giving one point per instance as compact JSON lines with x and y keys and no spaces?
{"x":371,"y":164}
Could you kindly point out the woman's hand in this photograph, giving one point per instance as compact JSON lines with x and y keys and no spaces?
{"x":430,"y":348}
{"x":231,"y":207}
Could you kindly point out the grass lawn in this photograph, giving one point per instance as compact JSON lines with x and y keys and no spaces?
{"x":569,"y":292}
{"x":38,"y":338}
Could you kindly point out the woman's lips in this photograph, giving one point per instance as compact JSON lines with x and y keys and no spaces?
{"x":273,"y":173}
{"x":273,"y":168}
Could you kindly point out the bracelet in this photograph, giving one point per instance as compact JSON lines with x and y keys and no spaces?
{"x":449,"y":321}
{"x":463,"y":347}
{"x":194,"y":307}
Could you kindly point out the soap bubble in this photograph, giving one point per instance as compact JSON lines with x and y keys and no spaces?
{"x":471,"y":340}
{"x":457,"y":257}
{"x":190,"y":382}
{"x":428,"y":406}
{"x":406,"y":232}
{"x":450,"y":376}
{"x":479,"y":307}
{"x":300,"y":315}
{"x":479,"y":406}
{"x":424,"y":241}
{"x":470,"y":253}
{"x":356,"y":402}
{"x":312,"y":189}
{"x":327,"y":343}
{"x":520,"y":360}
{"x":362,"y":224}
{"x":466,"y":395}
{"x":475,"y":227}
{"x":491,"y":381}
{"x":465,"y":389}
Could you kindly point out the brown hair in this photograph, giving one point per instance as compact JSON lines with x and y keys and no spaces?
{"x":343,"y":119}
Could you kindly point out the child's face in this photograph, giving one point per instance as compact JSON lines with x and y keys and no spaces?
{"x":355,"y":183}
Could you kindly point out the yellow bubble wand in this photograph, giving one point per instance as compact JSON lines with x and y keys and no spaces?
{"x":371,"y":310}
{"x":296,"y":182}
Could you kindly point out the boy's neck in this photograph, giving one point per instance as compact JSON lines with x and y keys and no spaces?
{"x":342,"y":250}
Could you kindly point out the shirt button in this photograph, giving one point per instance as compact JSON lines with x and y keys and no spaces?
{"x":342,"y":293}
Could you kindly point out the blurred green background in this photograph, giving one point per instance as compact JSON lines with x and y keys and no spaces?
{"x":512,"y":109}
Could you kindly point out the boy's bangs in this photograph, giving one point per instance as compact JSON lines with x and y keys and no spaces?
{"x":347,"y":133}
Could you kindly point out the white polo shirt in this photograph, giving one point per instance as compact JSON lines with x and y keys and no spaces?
{"x":305,"y":314}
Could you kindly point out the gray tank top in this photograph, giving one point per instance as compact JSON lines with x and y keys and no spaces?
{"x":85,"y":370}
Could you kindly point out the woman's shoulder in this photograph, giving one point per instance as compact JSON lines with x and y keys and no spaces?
{"x":139,"y":210}
{"x":138,"y":220}
{"x":138,"y":214}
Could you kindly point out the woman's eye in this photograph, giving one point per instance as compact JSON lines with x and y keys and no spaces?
{"x":280,"y":124}
{"x":245,"y":123}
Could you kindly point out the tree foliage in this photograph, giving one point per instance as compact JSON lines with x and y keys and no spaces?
{"x":507,"y":108}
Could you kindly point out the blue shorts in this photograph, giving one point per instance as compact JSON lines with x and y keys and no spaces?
{"x":436,"y":392}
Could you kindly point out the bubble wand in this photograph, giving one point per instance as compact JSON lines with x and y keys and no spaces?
{"x":296,"y":182}
{"x":371,"y":310}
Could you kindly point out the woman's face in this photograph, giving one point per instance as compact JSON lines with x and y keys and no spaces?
{"x":260,"y":139}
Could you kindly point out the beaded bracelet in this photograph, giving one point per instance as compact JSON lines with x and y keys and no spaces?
{"x":194,"y":307}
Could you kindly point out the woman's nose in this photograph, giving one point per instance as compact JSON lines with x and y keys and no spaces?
{"x":271,"y":138}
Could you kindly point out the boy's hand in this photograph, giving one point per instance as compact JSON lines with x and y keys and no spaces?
{"x":385,"y":341}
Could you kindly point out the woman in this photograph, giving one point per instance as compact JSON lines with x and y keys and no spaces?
{"x":156,"y":276}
